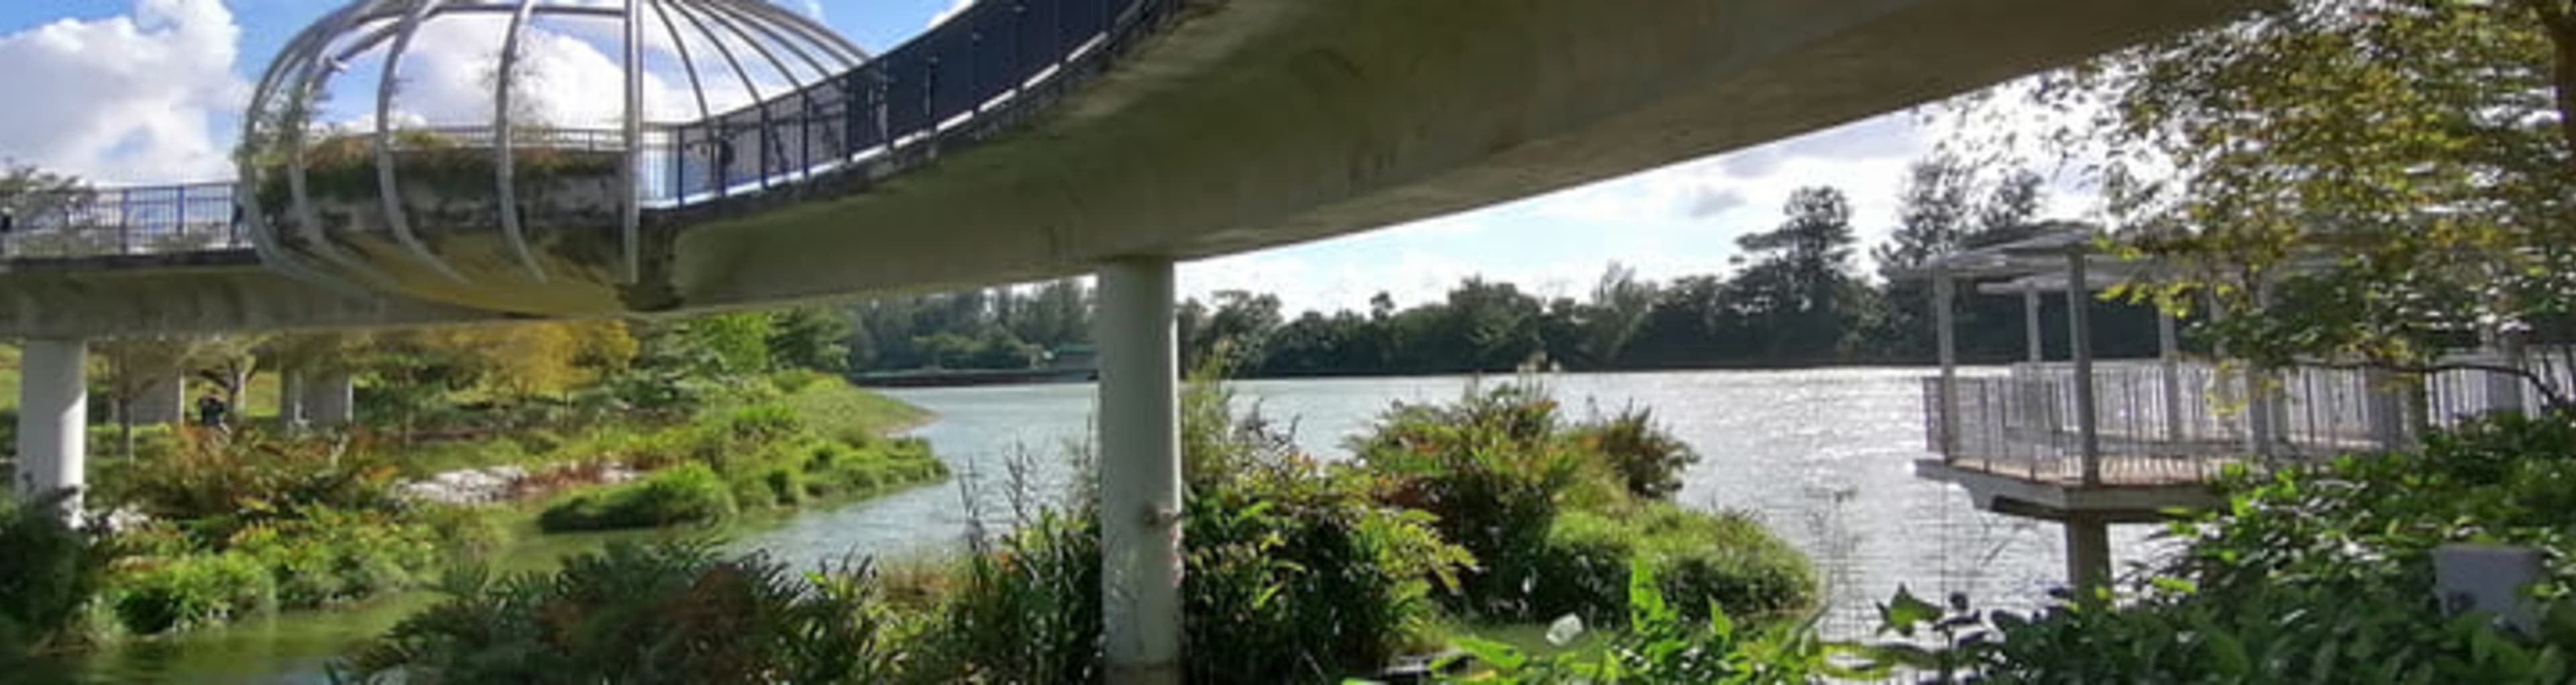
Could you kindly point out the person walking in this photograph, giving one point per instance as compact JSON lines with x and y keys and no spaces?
{"x":211,"y":410}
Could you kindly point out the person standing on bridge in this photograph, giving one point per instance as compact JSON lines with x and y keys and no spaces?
{"x":8,"y":224}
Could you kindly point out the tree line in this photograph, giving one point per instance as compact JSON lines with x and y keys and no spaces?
{"x":1797,"y":296}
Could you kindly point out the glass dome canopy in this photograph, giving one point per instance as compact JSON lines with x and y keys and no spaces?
{"x":496,"y":208}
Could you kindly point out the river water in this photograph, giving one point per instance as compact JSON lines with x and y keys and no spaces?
{"x":1823,"y":456}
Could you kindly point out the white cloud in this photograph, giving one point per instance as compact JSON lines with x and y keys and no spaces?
{"x":129,"y":98}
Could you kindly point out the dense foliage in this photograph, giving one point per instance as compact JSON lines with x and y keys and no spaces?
{"x":752,"y":457}
{"x":670,"y":612}
{"x":1658,"y":645}
{"x":240,"y":523}
{"x":1297,"y":570}
{"x":48,"y":573}
{"x":1554,"y":513}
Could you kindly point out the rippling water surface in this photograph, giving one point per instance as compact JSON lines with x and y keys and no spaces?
{"x":1824,"y":456}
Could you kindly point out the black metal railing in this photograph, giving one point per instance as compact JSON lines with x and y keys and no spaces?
{"x":919,"y":92}
{"x":121,"y":221}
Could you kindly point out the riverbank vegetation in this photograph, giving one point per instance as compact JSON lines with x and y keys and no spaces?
{"x":466,"y":439}
{"x":1300,"y":569}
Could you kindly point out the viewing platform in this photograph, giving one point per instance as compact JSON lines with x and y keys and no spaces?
{"x":2087,"y":443}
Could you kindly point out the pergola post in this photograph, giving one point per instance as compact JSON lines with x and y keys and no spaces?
{"x":2259,"y":428}
{"x":2169,"y":355}
{"x":290,"y":398}
{"x":2504,"y":391}
{"x":1946,"y":335}
{"x":2088,"y":556}
{"x":2079,"y":322}
{"x":53,"y":418}
{"x":2035,"y":348}
{"x":1140,"y":471}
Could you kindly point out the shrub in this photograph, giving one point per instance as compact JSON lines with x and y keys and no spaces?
{"x":689,"y":493}
{"x":1299,"y":575}
{"x":1647,"y":460}
{"x":1498,"y":469}
{"x":328,"y":556}
{"x":1702,"y":560}
{"x":1660,"y":646}
{"x":190,"y":590}
{"x":221,"y":482}
{"x":47,"y":571}
{"x":1488,"y":471}
{"x":670,"y":612}
{"x":1026,"y":610}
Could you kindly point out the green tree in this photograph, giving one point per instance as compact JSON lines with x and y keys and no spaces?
{"x":813,"y":338}
{"x":2424,"y":145}
{"x":1617,"y":310}
{"x":1798,"y":288}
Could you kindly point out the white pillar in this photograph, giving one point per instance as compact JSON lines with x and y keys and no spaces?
{"x":164,"y":402}
{"x":1140,"y":471}
{"x":2386,"y":408}
{"x":327,"y":398}
{"x":291,"y":398}
{"x":2036,"y":348}
{"x":2079,"y":323}
{"x":1946,"y":335}
{"x":2169,"y":352}
{"x":2260,"y":430}
{"x":53,"y":417}
{"x":2504,"y":391}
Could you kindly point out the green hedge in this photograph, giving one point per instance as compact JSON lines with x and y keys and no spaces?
{"x":1698,"y":559}
{"x":689,"y":493}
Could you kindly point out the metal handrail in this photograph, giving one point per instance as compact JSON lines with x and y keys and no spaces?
{"x":923,"y":93}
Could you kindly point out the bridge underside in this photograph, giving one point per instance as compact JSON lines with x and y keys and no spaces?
{"x":1268,"y":122}
{"x":1257,"y":123}
{"x":201,"y":293}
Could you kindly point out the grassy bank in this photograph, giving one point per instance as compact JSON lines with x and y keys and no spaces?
{"x":246,"y":524}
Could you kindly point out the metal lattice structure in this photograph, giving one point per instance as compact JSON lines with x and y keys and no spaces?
{"x":771,"y":100}
{"x":281,"y":136}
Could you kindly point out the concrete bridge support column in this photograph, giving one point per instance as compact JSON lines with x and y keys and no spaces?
{"x":165,"y":403}
{"x":290,"y":398}
{"x":326,"y":399}
{"x":2088,"y":555}
{"x":53,"y":417}
{"x":1140,"y":471}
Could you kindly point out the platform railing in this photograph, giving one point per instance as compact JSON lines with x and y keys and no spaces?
{"x":2164,"y":423}
{"x":940,"y":89}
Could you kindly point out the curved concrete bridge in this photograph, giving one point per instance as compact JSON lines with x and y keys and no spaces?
{"x":1170,"y":128}
{"x":1029,"y":139}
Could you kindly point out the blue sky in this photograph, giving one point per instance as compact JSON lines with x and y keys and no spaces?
{"x":149,"y":91}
